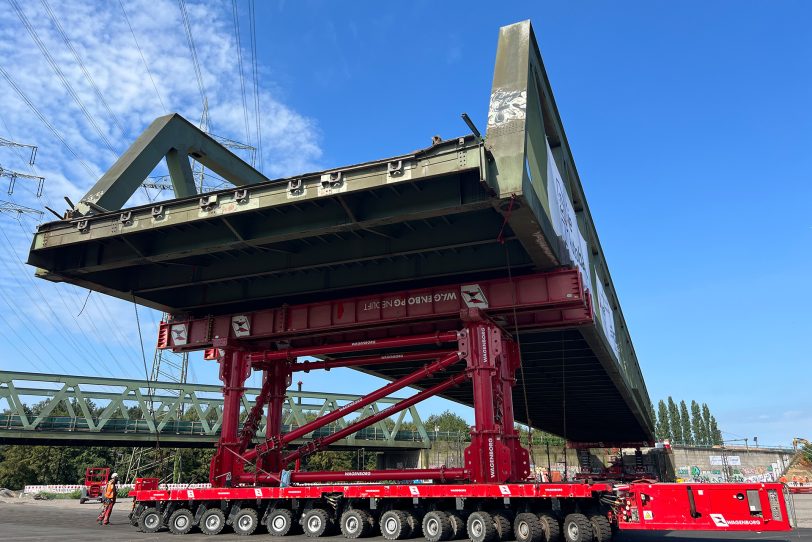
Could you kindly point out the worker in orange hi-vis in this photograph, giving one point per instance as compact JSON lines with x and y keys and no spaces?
{"x":109,"y":499}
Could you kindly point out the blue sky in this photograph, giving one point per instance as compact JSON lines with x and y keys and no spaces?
{"x":690,"y":125}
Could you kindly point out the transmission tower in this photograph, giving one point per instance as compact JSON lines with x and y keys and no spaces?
{"x":8,"y":207}
{"x":33,"y":148}
{"x":14,"y":175}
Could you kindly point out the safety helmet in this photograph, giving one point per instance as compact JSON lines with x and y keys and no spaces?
{"x":114,"y":475}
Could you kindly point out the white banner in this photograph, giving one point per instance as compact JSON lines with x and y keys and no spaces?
{"x":607,"y":316}
{"x":565,"y":223}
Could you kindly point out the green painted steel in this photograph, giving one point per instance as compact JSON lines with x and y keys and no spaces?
{"x":459,"y":211}
{"x":120,"y":402}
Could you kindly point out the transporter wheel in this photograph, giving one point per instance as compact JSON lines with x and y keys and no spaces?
{"x":550,"y":528}
{"x":212,"y":521}
{"x":245,"y":522}
{"x":315,"y":522}
{"x":527,"y":527}
{"x":601,"y":528}
{"x":394,"y":525}
{"x":436,"y":526}
{"x":503,"y":523}
{"x":355,"y":523}
{"x":279,"y":522}
{"x":481,"y":527}
{"x":577,"y":528}
{"x":414,"y":520}
{"x":457,"y":525}
{"x":181,"y":521}
{"x":150,"y":520}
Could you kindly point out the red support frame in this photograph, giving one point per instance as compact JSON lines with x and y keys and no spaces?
{"x":373,"y":330}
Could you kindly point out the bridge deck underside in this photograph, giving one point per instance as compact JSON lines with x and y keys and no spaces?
{"x":568,"y":390}
{"x":437,"y":230}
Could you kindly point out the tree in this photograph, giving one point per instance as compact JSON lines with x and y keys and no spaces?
{"x":685,"y":423}
{"x":448,"y":421}
{"x":706,"y":415}
{"x":663,"y":427}
{"x":806,"y":451}
{"x":697,"y":427}
{"x":715,"y":433}
{"x":653,"y":417}
{"x":674,"y":421}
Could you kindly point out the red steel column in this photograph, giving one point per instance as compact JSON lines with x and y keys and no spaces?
{"x":226,"y":466}
{"x":280,"y":375}
{"x":520,"y":458}
{"x":489,"y":457}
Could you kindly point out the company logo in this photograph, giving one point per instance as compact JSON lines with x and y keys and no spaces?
{"x":483,"y":339}
{"x":241,"y":325}
{"x":719,"y":520}
{"x":357,"y":473}
{"x":179,"y":334}
{"x":473,"y":296}
{"x":491,"y":458}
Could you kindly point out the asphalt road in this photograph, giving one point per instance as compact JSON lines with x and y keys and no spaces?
{"x":68,"y":520}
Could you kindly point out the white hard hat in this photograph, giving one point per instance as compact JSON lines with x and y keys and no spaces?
{"x":114,"y":475}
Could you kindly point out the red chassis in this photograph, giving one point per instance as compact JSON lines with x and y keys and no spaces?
{"x":459,"y":332}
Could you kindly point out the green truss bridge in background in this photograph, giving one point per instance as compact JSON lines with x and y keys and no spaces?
{"x":94,"y":411}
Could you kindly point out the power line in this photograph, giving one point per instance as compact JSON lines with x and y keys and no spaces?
{"x":37,"y":112}
{"x":257,"y":119}
{"x":140,"y":52}
{"x":187,"y":26}
{"x":44,"y":50}
{"x":81,"y":63}
{"x":242,"y":74}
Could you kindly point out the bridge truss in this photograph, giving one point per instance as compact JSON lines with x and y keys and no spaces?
{"x":85,"y":410}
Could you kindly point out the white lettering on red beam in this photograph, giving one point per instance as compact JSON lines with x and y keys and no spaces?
{"x":407,"y":301}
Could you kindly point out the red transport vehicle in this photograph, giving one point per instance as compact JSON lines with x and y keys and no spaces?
{"x":95,"y":480}
{"x":492,"y":497}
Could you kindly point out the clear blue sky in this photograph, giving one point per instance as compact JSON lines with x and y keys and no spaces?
{"x":690,"y":124}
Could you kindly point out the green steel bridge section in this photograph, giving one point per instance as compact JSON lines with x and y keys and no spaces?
{"x":84,"y":410}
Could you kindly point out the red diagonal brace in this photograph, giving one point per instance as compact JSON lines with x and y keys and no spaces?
{"x":380,"y":393}
{"x":320,"y":443}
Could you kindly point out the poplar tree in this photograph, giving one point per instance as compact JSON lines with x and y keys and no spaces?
{"x":685,"y":423}
{"x":700,"y":439}
{"x":706,"y":423}
{"x":663,"y":427}
{"x":716,"y":435}
{"x":674,"y":421}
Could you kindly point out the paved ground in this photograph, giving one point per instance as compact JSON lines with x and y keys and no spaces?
{"x":68,"y":520}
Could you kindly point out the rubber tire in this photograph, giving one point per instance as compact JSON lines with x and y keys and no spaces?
{"x":414,"y":521}
{"x":601,"y":528}
{"x":216,"y":528}
{"x":279,"y":513}
{"x":189,"y":522}
{"x":528,"y":528}
{"x":394,"y":525}
{"x":316,"y":529}
{"x":481,"y":527}
{"x":355,"y":523}
{"x":503,"y":524}
{"x":550,"y":528}
{"x":154,"y":524}
{"x":457,"y":525}
{"x":245,"y":522}
{"x":577,"y":528}
{"x":436,"y":526}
